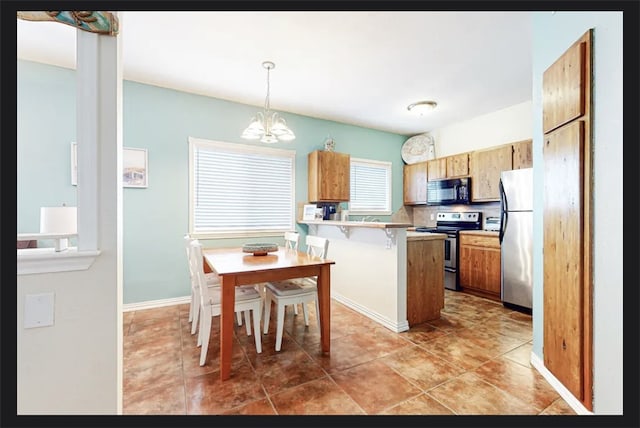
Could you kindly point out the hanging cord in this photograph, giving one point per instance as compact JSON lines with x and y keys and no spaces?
{"x":266,"y":101}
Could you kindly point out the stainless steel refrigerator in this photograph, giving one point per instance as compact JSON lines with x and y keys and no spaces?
{"x":516,"y":237}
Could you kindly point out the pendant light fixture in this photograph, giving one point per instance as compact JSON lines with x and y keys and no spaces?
{"x":268,"y":126}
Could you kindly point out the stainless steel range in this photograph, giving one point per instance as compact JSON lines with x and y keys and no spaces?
{"x":450,"y":223}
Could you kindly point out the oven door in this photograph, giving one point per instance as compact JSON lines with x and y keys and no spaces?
{"x":451,"y":262}
{"x":450,"y":253}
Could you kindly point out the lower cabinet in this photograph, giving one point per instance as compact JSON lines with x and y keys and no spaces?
{"x":425,"y":280}
{"x":479,"y":264}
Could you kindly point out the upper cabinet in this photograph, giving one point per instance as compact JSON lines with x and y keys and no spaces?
{"x":415,"y":184}
{"x":437,"y":169}
{"x":563,"y":89}
{"x":486,"y":166}
{"x":458,"y":165}
{"x":329,"y":176}
{"x":522,"y":155}
{"x":448,"y":167}
{"x":483,"y":166}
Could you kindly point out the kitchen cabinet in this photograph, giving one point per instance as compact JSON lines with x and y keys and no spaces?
{"x":328,"y":176}
{"x":564,"y":88}
{"x":522,"y":154}
{"x":568,"y":220}
{"x":425,"y":279}
{"x":486,"y":166}
{"x":479,"y":263}
{"x":437,"y":169}
{"x":415,"y":184}
{"x":448,"y":167}
{"x":458,"y":165}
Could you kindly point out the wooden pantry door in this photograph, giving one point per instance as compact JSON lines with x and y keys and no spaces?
{"x":567,"y":344}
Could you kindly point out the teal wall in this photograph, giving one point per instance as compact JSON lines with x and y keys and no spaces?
{"x":46,"y":110}
{"x":159,"y":120}
{"x":552,"y":35}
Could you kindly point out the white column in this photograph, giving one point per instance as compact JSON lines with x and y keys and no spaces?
{"x":99,"y":138}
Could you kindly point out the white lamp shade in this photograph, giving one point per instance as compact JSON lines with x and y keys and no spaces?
{"x":59,"y":220}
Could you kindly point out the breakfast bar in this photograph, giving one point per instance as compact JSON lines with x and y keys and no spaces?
{"x":371,"y":272}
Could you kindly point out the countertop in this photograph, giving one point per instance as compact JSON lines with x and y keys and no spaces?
{"x":424,"y":236}
{"x":372,"y":224}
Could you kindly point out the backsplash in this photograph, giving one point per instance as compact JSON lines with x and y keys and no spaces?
{"x":426,"y":215}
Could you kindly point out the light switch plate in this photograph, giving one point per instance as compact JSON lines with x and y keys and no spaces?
{"x":38,"y":310}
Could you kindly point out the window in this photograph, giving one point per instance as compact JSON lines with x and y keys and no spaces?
{"x":238,"y":190}
{"x":370,"y":187}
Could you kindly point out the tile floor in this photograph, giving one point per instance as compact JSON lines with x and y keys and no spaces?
{"x":474,"y":360}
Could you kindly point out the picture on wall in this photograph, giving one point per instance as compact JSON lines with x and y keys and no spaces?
{"x":74,"y":164}
{"x":134,"y":164}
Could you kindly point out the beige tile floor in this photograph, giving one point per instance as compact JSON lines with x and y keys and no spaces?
{"x":474,"y":360}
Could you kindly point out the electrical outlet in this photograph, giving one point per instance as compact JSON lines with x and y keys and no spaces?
{"x":432,"y":216}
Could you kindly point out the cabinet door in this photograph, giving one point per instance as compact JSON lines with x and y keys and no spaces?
{"x":479,"y":265}
{"x":522,"y":155}
{"x":415,"y":184}
{"x":437,"y":169}
{"x":563,"y":88}
{"x":568,"y":220}
{"x":486,"y":166}
{"x":563,"y":255}
{"x":425,"y":280}
{"x":458,"y":165}
{"x":329,"y":176}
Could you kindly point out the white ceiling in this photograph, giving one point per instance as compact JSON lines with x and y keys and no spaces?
{"x":361,"y":68}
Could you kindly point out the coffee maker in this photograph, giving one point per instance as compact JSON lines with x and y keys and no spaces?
{"x":328,"y":211}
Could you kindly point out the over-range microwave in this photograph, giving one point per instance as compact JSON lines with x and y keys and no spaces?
{"x":449,"y":191}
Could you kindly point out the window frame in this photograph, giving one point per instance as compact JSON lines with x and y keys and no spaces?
{"x":238,"y":148}
{"x":389,"y":170}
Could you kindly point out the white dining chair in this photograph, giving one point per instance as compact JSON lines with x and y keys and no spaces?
{"x":294,"y":291}
{"x":212,"y":280}
{"x":291,"y":240}
{"x":247,"y":300}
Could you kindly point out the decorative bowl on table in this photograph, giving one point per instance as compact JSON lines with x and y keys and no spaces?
{"x":259,"y":248}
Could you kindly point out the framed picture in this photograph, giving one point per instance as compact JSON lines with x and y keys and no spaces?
{"x":74,"y":164}
{"x":134,"y":164}
{"x":309,"y":212}
{"x":134,"y":168}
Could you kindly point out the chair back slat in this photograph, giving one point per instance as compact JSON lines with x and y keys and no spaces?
{"x":198,"y":269}
{"x":291,"y":240}
{"x":317,"y":246}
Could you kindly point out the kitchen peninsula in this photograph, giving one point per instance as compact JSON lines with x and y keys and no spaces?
{"x":375,"y":276}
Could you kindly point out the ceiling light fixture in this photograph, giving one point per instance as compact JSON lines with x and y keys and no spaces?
{"x":422,"y":107}
{"x":267,"y":125}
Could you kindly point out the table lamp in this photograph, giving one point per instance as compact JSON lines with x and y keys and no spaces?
{"x":61,"y":221}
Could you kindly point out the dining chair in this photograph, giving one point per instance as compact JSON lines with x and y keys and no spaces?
{"x":294,"y":291}
{"x":291,"y":240}
{"x":247,"y":300}
{"x":212,"y":280}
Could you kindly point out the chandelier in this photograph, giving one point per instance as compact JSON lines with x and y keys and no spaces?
{"x":267,"y":125}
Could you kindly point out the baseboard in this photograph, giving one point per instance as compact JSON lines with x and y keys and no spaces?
{"x":151,"y":304}
{"x":386,"y":322}
{"x":566,"y":395}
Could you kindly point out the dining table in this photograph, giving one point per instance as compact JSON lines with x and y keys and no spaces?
{"x":235,"y":268}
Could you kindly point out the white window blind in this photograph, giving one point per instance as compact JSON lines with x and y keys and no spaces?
{"x":370,"y":187}
{"x":240,"y":190}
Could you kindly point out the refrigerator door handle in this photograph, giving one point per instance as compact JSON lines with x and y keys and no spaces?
{"x":503,"y":211}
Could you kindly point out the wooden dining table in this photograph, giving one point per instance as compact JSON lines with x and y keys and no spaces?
{"x":236,"y":267}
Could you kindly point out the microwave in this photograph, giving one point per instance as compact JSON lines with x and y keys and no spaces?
{"x":450,"y":191}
